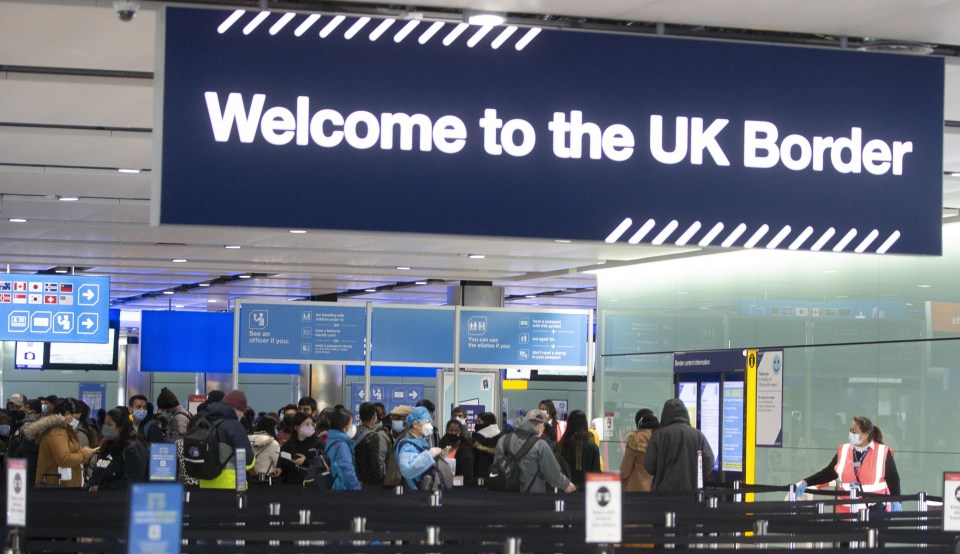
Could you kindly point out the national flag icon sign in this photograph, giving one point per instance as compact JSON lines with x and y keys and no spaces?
{"x":36,"y":299}
{"x":36,"y":286}
{"x":66,"y":299}
{"x":20,"y":286}
{"x":5,"y":298}
{"x":66,"y":287}
{"x":49,"y":298}
{"x":6,"y":285}
{"x":20,"y":298}
{"x":50,"y":287}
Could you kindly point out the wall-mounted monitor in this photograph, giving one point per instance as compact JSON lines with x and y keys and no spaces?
{"x":72,"y":355}
{"x":29,"y":355}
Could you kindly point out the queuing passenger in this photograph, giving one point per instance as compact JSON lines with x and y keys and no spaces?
{"x":339,"y":450}
{"x":398,"y":421}
{"x":864,"y":461}
{"x":635,"y":477}
{"x":285,"y":428}
{"x":323,"y":423}
{"x":577,"y":448}
{"x":485,"y":438}
{"x":16,"y":406}
{"x":22,"y":447}
{"x":48,"y":403}
{"x":415,"y":456}
{"x":4,"y":432}
{"x":372,"y":448}
{"x":554,"y":429}
{"x":460,"y":414}
{"x":460,"y":449}
{"x":177,"y":419}
{"x":398,"y":431}
{"x":433,"y":439}
{"x":86,"y":430}
{"x":265,"y":446}
{"x":539,"y":466}
{"x":215,"y":396}
{"x":308,"y":406}
{"x":381,"y":413}
{"x":231,"y":436}
{"x":672,"y":451}
{"x":123,"y":458}
{"x":60,"y":458}
{"x":297,"y":453}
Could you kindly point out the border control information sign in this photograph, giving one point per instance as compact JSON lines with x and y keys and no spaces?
{"x":535,"y":339}
{"x":156,"y":515}
{"x":301,"y":332}
{"x":54,"y":308}
{"x":692,"y":142}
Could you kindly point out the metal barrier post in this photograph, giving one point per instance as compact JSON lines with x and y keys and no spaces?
{"x":713,"y":503}
{"x":760,"y":530}
{"x":13,"y":545}
{"x":792,"y":494}
{"x":558,"y":505}
{"x":433,"y":536}
{"x":737,"y":486}
{"x":511,"y":545}
{"x":358,"y":525}
{"x":670,"y":521}
{"x":922,"y":506}
{"x":435,"y":498}
{"x":872,"y":541}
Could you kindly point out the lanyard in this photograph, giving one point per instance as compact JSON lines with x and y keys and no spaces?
{"x":857,"y":459}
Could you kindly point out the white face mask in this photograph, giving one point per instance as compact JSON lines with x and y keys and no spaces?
{"x":351,"y":432}
{"x":397,"y":426}
{"x":854,"y":439}
{"x":462,"y":421}
{"x":75,"y":423}
{"x":427,"y":429}
{"x":307,"y":431}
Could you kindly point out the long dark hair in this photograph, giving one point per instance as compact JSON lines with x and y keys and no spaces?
{"x":578,"y":431}
{"x":869,"y":428}
{"x":126,"y":432}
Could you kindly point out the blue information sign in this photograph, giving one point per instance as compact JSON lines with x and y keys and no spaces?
{"x":715,"y":361}
{"x":692,"y":142}
{"x":54,"y":308}
{"x":501,"y":338}
{"x":163,"y":462}
{"x":413,"y":336}
{"x":156,"y":514}
{"x":390,"y":395}
{"x":301,"y":332}
{"x":732,"y":455}
{"x":93,"y":394}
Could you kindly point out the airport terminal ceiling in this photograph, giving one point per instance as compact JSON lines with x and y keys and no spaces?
{"x":77,"y":108}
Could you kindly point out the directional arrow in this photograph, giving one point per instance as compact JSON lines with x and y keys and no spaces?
{"x":88,"y":294}
{"x":88,"y":323}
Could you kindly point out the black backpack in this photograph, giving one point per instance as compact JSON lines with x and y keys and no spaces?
{"x":504,"y":474}
{"x":366,"y":457}
{"x":201,"y":450}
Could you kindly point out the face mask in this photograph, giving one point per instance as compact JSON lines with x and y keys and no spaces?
{"x":462,"y":421}
{"x":4,"y":430}
{"x":109,"y":433}
{"x":307,"y":431}
{"x":139,"y":415}
{"x":427,"y":429}
{"x":43,"y":408}
{"x":854,"y":439}
{"x":75,"y":423}
{"x":352,"y":431}
{"x":166,"y":416}
{"x":451,"y":437}
{"x":397,"y":426}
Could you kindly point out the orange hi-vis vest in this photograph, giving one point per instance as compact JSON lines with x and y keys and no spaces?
{"x":871,"y":473}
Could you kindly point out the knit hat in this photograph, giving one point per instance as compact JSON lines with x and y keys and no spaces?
{"x":402,"y":411}
{"x":536,"y":416}
{"x":166,"y":399}
{"x":418,"y":414}
{"x":236,"y":400}
{"x":646,"y":420}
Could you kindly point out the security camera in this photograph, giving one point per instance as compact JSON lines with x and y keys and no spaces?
{"x":126,"y":9}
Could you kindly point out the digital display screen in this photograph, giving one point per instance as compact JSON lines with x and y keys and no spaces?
{"x":83,"y":353}
{"x":29,"y":355}
{"x":732,"y":455}
{"x":710,"y":418}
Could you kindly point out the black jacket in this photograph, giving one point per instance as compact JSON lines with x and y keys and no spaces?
{"x":230,"y":432}
{"x":672,"y":451}
{"x":116,"y":472}
{"x":589,"y":459}
{"x":484,"y":448}
{"x":293,"y":474}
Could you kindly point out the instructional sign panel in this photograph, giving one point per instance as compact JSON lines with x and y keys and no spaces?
{"x":770,"y":398}
{"x":94,"y":395}
{"x":156,"y":515}
{"x":390,"y":395}
{"x":732,"y":456}
{"x":413,"y":336}
{"x":54,"y":308}
{"x":504,"y":338}
{"x":604,"y":511}
{"x":700,"y":155}
{"x":301,"y":332}
{"x":951,"y":501}
{"x":163,"y":462}
{"x":17,"y":492}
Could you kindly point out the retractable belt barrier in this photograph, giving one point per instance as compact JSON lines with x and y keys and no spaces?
{"x":470,"y":520}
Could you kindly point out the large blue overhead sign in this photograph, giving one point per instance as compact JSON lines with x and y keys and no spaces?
{"x":301,"y":332}
{"x":502,"y":338}
{"x":54,"y":308}
{"x":428,"y":127}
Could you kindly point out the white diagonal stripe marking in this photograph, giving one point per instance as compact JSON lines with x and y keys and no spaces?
{"x":356,"y":27}
{"x":307,"y":23}
{"x":757,"y":236}
{"x":478,"y":36}
{"x":845,"y":240}
{"x":801,"y":239}
{"x":667,"y":231}
{"x":228,"y":22}
{"x":255,"y":23}
{"x":454,"y":34}
{"x":619,"y":231}
{"x":779,"y":237}
{"x":642,"y":232}
{"x":822,"y":241}
{"x":867,"y":241}
{"x":329,"y":27}
{"x":381,"y":28}
{"x":282,"y":23}
{"x":688,"y":234}
{"x":706,"y":240}
{"x":888,"y":243}
{"x":732,"y":238}
{"x":407,"y":29}
{"x":502,"y":37}
{"x":523,"y":42}
{"x":432,"y":30}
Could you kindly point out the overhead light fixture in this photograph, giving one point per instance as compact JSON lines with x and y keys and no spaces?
{"x":178,"y":305}
{"x":211,"y":300}
{"x":369,"y":290}
{"x":244,"y":276}
{"x":203,"y":284}
{"x":420,"y":282}
{"x":17,"y":220}
{"x":298,"y":231}
{"x":474,"y":17}
{"x":60,"y":271}
{"x":179,"y":260}
{"x":530,"y":295}
{"x":129,"y":171}
{"x":476,"y":256}
{"x":168,"y":292}
{"x":232,"y":247}
{"x":68,"y":198}
{"x":923,"y":286}
{"x":563,"y":241}
{"x":403,"y":268}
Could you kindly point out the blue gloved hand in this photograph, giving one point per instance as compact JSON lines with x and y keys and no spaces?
{"x":800,"y":488}
{"x":896,"y":507}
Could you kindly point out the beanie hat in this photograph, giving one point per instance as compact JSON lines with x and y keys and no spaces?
{"x":236,"y":400}
{"x":418,"y":414}
{"x":166,"y":399}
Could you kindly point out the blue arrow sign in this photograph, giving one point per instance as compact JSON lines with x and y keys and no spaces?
{"x":54,"y":308}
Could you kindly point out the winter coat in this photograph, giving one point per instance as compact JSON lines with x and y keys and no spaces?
{"x":177,"y":426}
{"x":232,"y":436}
{"x":463,"y":456}
{"x":484,"y":448}
{"x":672,"y":451}
{"x":267,"y":450}
{"x":539,"y":466}
{"x":309,"y":447}
{"x":635,"y":476}
{"x":114,"y":473}
{"x":589,"y":458}
{"x":339,"y":451}
{"x":59,"y":447}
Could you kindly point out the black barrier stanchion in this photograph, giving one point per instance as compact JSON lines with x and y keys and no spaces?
{"x":511,"y":545}
{"x":558,"y":505}
{"x":14,"y":543}
{"x":670,"y":521}
{"x":760,"y":530}
{"x":872,"y":541}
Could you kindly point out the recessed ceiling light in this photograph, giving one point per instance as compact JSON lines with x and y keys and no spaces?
{"x":68,"y":198}
{"x":829,"y":270}
{"x":369,"y":290}
{"x":178,"y":305}
{"x":614,"y":299}
{"x":211,"y":300}
{"x":420,"y":283}
{"x":476,"y":256}
{"x":485,"y":18}
{"x":244,"y":276}
{"x":298,"y":231}
{"x":179,"y":260}
{"x":682,"y":292}
{"x":60,"y":271}
{"x":17,"y":220}
{"x":403,"y":268}
{"x":531,"y":295}
{"x":130,"y":171}
{"x":955,"y":174}
{"x":168,"y":292}
{"x":923,"y":286}
{"x":232,"y":247}
{"x":563,"y":241}
{"x":203,"y":284}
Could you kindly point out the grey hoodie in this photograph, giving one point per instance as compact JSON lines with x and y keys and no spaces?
{"x":672,"y":451}
{"x":539,"y":467}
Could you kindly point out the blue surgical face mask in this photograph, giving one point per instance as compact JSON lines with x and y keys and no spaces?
{"x":397,"y":426}
{"x":109,"y":433}
{"x":75,"y":423}
{"x":44,"y":409}
{"x":4,"y":430}
{"x":139,"y":415}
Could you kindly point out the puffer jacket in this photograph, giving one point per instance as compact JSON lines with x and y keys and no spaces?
{"x":635,"y":477}
{"x":59,"y":448}
{"x":267,"y":451}
{"x":672,"y":452}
